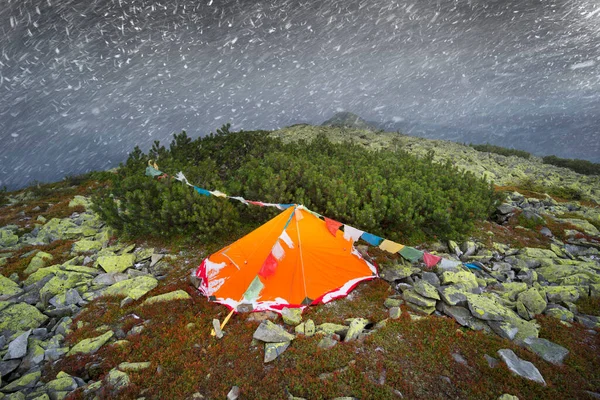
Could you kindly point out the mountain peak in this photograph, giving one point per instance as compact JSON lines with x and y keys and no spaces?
{"x":347,"y":119}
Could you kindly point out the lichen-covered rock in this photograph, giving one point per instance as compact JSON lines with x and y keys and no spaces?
{"x":510,"y":290}
{"x":274,"y":350}
{"x":551,"y":352}
{"x":59,"y":229}
{"x":291,"y":316}
{"x":530,"y":303}
{"x":26,"y":381}
{"x":532,"y":252}
{"x":463,"y":317}
{"x":583,"y":225}
{"x":8,"y":238}
{"x":64,"y":383}
{"x":465,"y":279}
{"x":426,"y":289}
{"x":392,"y":302}
{"x":18,"y":347}
{"x":574,"y":272}
{"x":486,"y":308}
{"x":41,"y":274}
{"x":135,"y":287}
{"x":86,"y":246}
{"x":357,"y":325}
{"x":117,"y":380}
{"x":8,"y":288}
{"x":80,"y":201}
{"x":171,"y":296}
{"x":453,"y":295}
{"x":40,"y":260}
{"x":116,"y":263}
{"x":20,"y":317}
{"x":309,"y":328}
{"x":134,"y":367}
{"x":558,"y":294}
{"x":397,"y":271}
{"x":271,"y":333}
{"x":520,"y":367}
{"x":92,"y":345}
{"x":330,"y":328}
{"x":61,"y":282}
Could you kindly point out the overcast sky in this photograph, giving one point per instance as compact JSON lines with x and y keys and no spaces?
{"x":83,"y":81}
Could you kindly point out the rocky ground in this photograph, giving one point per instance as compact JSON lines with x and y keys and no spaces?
{"x":486,"y":284}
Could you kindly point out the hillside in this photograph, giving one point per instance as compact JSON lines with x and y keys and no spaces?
{"x":498,"y":297}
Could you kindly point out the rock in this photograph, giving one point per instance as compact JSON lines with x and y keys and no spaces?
{"x":134,"y":287}
{"x":262,"y":315}
{"x":507,"y":396}
{"x":61,"y":282}
{"x":463,"y":317}
{"x":175,"y":295}
{"x":584,"y":226}
{"x":453,"y":247}
{"x":551,"y":352}
{"x":558,"y":294}
{"x":20,"y":317}
{"x":18,"y":347}
{"x":412,"y":296}
{"x":512,"y":289}
{"x":465,"y":279}
{"x":8,"y":238}
{"x":60,"y":229}
{"x":274,"y":350}
{"x":532,"y":252}
{"x":309,"y":328}
{"x":356,"y":327}
{"x":453,"y":295}
{"x":491,"y":361}
{"x":62,"y":383}
{"x":395,"y":272}
{"x":530,"y":303}
{"x":234,"y":393}
{"x":459,"y":359}
{"x":426,"y":289}
{"x":486,"y":308}
{"x":143,"y":254}
{"x":6,"y":367}
{"x":8,"y":288}
{"x":331,"y":329}
{"x":271,"y":333}
{"x":86,"y":246}
{"x":39,"y":261}
{"x":392,"y":302}
{"x":559,"y":312}
{"x":116,"y":263}
{"x":520,"y":367}
{"x":134,"y":367}
{"x":90,"y":346}
{"x":468,"y":248}
{"x":431,"y":278}
{"x":395,"y":312}
{"x":117,"y":380}
{"x":217,"y":328}
{"x":505,"y":208}
{"x":26,"y":381}
{"x":80,"y":201}
{"x":291,"y":316}
{"x":327,"y":342}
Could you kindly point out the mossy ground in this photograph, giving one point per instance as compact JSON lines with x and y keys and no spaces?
{"x":412,"y":357}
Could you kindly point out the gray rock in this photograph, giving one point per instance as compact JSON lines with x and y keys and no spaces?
{"x":431,"y":278}
{"x":271,"y":333}
{"x":520,"y":367}
{"x":217,"y":328}
{"x":459,"y":359}
{"x":18,"y":347}
{"x":549,"y":351}
{"x":117,"y":379}
{"x":492,"y":362}
{"x":394,"y":312}
{"x":291,"y":316}
{"x":356,"y":327}
{"x":309,"y":328}
{"x":505,"y":209}
{"x":462,"y":316}
{"x":274,"y":350}
{"x":327,"y":342}
{"x":6,"y":367}
{"x":234,"y":393}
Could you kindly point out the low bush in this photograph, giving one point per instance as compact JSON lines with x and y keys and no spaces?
{"x":580,"y":166}
{"x":490,"y":148}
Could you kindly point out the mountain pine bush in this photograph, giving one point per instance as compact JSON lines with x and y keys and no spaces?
{"x":389,"y":193}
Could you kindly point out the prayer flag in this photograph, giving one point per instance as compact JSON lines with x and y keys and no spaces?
{"x":410,"y":253}
{"x":269,"y":266}
{"x":371,"y":239}
{"x":391,"y":247}
{"x":431,"y":260}
{"x":332,"y":226}
{"x":201,"y":191}
{"x":351,"y":233}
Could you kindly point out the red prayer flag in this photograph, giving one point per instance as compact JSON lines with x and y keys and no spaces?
{"x":269,"y":266}
{"x":256,"y":203}
{"x":431,"y":260}
{"x":332,"y":226}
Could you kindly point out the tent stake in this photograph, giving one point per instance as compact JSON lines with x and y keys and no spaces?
{"x":213,"y":333}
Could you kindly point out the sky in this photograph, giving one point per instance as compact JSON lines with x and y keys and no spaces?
{"x":84,"y":81}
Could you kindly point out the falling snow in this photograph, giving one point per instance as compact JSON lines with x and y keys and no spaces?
{"x":82,"y":82}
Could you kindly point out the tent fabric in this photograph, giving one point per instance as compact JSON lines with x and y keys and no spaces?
{"x":316,"y":267}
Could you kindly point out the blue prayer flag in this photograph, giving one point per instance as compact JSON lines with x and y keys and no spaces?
{"x":371,"y":239}
{"x":202,"y":191}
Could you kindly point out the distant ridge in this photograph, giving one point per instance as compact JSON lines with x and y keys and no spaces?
{"x":346,"y":119}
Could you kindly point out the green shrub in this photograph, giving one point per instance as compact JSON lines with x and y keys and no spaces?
{"x":391,"y":194}
{"x":490,"y":148}
{"x":3,"y":196}
{"x":580,"y":166}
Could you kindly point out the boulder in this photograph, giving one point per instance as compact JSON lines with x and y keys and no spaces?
{"x":291,"y":316}
{"x":453,"y":295}
{"x":20,"y":317}
{"x":117,"y":380}
{"x":520,"y":367}
{"x":412,"y":296}
{"x":392,"y":302}
{"x":331,"y":329}
{"x":530,"y":303}
{"x":92,"y":345}
{"x":309,"y":328}
{"x":39,"y":261}
{"x":86,"y":246}
{"x":41,"y":274}
{"x":395,"y":272}
{"x":134,"y":367}
{"x":486,"y":308}
{"x":463,"y":317}
{"x":8,"y":238}
{"x":583,"y":225}
{"x":18,"y":347}
{"x":80,"y":201}
{"x":59,"y":229}
{"x":357,"y":325}
{"x":465,"y":279}
{"x":134,"y":288}
{"x":171,"y":296}
{"x":26,"y":381}
{"x":559,"y":312}
{"x":551,"y":352}
{"x":274,"y":350}
{"x":510,"y":290}
{"x":558,"y":294}
{"x":116,"y":263}
{"x":271,"y":333}
{"x":61,"y":282}
{"x":532,"y":252}
{"x":426,"y":289}
{"x":8,"y":288}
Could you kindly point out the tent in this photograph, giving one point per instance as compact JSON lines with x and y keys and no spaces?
{"x":293,"y":260}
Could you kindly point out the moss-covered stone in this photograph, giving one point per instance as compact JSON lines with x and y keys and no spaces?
{"x":41,"y":274}
{"x":584,"y":226}
{"x":426,"y":289}
{"x":8,"y":238}
{"x":62,"y":282}
{"x":530,"y":303}
{"x":411,"y":296}
{"x":331,"y":328}
{"x":80,"y":201}
{"x":62,"y":384}
{"x":357,"y":325}
{"x":274,"y":350}
{"x":397,"y":271}
{"x":59,"y":229}
{"x":558,"y":294}
{"x":464,"y":278}
{"x":86,"y":246}
{"x":117,"y":380}
{"x":532,"y":252}
{"x":453,"y":295}
{"x":510,"y":290}
{"x":486,"y":308}
{"x":557,"y":273}
{"x":8,"y":288}
{"x":143,"y":254}
{"x":92,"y":345}
{"x":134,"y":367}
{"x":175,"y":295}
{"x":26,"y":381}
{"x":20,"y":317}
{"x":135,"y":287}
{"x":116,"y":263}
{"x":40,"y":260}
{"x":291,"y":316}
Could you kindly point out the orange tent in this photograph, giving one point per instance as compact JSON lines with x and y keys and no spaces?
{"x":293,"y":260}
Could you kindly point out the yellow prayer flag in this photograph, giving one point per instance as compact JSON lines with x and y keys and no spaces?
{"x":390,"y":246}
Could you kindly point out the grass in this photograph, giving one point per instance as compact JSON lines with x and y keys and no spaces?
{"x":411,"y":357}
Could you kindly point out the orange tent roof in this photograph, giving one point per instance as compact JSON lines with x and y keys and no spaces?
{"x":293,"y":260}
